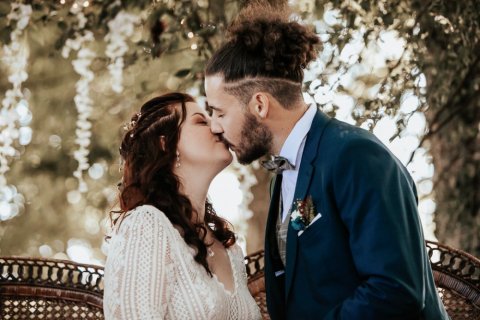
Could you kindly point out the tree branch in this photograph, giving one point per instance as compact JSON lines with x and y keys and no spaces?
{"x":470,"y":73}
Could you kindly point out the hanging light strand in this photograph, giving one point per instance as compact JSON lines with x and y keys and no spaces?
{"x":15,"y":115}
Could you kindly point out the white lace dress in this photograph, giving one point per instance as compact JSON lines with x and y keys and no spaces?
{"x":150,"y":274}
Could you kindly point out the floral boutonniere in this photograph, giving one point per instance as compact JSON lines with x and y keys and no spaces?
{"x":302,"y":214}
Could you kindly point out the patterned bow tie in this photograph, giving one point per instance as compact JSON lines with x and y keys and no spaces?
{"x":277,"y":164}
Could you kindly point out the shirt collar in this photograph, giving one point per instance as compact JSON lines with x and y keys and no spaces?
{"x":292,"y":145}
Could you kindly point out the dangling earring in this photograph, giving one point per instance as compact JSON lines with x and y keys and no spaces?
{"x":178,"y":160}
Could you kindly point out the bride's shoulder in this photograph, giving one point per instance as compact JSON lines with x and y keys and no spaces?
{"x":145,"y":214}
{"x":147,"y":209}
{"x":237,"y":251}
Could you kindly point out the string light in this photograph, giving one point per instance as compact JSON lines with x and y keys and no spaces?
{"x":194,"y":46}
{"x":15,"y":113}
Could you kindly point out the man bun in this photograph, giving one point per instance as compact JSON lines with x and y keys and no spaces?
{"x":263,"y":42}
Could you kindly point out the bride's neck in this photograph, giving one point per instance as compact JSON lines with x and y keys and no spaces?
{"x":194,"y":184}
{"x":196,"y":191}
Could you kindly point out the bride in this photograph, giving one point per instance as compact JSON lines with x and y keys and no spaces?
{"x":170,"y":255}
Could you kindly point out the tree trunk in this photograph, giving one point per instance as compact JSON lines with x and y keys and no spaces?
{"x":452,"y":70}
{"x":456,"y":157}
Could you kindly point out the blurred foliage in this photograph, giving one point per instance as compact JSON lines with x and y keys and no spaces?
{"x":440,"y":44}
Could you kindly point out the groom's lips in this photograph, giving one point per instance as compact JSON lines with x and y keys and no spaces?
{"x":230,"y":146}
{"x":226,"y":143}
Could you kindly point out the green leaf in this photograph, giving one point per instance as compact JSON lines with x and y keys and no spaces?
{"x":5,"y":35}
{"x":4,"y":8}
{"x":365,"y":5}
{"x":62,"y":25}
{"x":387,"y":19}
{"x":182,"y":73}
{"x":37,"y":6}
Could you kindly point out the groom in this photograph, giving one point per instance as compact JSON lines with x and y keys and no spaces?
{"x":343,"y":237}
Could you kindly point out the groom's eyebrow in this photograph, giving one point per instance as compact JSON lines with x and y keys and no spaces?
{"x":209,"y":106}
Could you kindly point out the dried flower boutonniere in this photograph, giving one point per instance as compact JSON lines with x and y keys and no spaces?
{"x":302,"y":214}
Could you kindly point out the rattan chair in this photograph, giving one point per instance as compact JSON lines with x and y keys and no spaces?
{"x":50,"y":289}
{"x":457,"y":276}
{"x":256,"y":280}
{"x":54,"y":289}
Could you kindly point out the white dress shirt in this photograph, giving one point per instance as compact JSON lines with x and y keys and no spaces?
{"x":292,"y":149}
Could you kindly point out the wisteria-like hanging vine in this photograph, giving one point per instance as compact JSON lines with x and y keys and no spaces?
{"x":15,"y":115}
{"x":120,"y":29}
{"x":246,"y":179}
{"x":83,"y":102}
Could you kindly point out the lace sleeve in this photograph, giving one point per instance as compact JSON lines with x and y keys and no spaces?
{"x":146,"y":256}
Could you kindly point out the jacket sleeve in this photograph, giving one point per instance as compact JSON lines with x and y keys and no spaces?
{"x":377,"y":202}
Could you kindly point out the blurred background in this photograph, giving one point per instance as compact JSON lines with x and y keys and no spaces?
{"x":73,"y":72}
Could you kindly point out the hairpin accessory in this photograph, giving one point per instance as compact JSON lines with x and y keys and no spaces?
{"x":133,"y":123}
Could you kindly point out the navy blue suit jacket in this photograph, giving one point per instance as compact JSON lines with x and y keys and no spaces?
{"x":365,"y":258}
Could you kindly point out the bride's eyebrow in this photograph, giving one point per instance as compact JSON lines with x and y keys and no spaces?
{"x":199,"y":114}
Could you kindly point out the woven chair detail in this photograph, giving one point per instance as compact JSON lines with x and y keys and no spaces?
{"x":50,"y":289}
{"x":256,"y":280}
{"x":457,"y":277}
{"x":32,"y":288}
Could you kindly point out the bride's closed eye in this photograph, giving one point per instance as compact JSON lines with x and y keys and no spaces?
{"x":203,"y":122}
{"x":201,"y":119}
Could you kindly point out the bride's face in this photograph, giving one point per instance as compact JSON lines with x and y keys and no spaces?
{"x":198,"y":146}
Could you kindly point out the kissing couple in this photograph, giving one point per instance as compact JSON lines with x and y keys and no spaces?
{"x":343,"y":237}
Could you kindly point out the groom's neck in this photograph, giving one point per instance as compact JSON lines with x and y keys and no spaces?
{"x":283,"y":124}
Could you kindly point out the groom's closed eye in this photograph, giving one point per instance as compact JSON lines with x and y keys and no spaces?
{"x":215,"y":111}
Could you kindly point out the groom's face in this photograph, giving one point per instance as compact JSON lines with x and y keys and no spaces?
{"x":244,"y":134}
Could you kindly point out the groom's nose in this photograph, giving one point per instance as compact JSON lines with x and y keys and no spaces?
{"x":215,"y":127}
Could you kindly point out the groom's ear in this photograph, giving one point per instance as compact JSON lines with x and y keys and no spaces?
{"x":260,"y":105}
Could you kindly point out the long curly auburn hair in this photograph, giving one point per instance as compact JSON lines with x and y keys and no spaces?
{"x":148,"y":176}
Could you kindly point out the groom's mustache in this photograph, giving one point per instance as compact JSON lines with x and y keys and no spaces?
{"x":224,"y":141}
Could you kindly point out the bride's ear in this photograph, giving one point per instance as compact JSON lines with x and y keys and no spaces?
{"x":163,"y":143}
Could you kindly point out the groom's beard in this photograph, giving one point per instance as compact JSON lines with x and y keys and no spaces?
{"x":256,"y":140}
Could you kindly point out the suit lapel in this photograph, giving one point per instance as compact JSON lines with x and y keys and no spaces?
{"x":272,"y":216}
{"x":305,"y":174}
